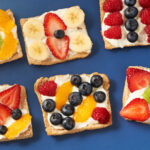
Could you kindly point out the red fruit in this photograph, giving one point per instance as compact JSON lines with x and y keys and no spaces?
{"x":58,"y":47}
{"x":112,"y":5}
{"x":5,"y":112}
{"x":145,"y":16}
{"x":148,"y":40}
{"x":101,"y":114}
{"x":52,"y":23}
{"x":147,"y":29}
{"x":137,"y":79}
{"x":11,"y":97}
{"x":48,"y":88}
{"x":144,"y":3}
{"x":137,"y":110}
{"x":113,"y":32}
{"x":114,"y":19}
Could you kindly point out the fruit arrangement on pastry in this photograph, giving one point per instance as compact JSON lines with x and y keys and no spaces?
{"x":15,"y":120}
{"x":136,"y":96}
{"x":125,"y":23}
{"x":74,"y":103}
{"x":56,"y":36}
{"x":9,"y":44}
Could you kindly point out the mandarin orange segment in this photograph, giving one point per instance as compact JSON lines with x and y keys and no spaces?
{"x":62,"y":94}
{"x":18,"y":126}
{"x":9,"y":46}
{"x":84,"y":111}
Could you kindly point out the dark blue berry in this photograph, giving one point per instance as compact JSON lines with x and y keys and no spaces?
{"x":99,"y":96}
{"x":132,"y":37}
{"x":59,"y":34}
{"x":96,"y":81}
{"x":56,"y":119}
{"x":68,"y":123}
{"x":67,"y":110}
{"x":131,"y":24}
{"x":76,"y":80}
{"x":75,"y":98}
{"x":130,"y":2}
{"x":85,"y":88}
{"x":131,"y":12}
{"x":16,"y":114}
{"x":3,"y":129}
{"x":49,"y":105}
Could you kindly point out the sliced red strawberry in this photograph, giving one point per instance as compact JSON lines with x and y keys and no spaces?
{"x":144,"y":3}
{"x":147,"y":29}
{"x":58,"y":47}
{"x":145,"y":16}
{"x":114,"y":19}
{"x":52,"y":23}
{"x":11,"y":97}
{"x":137,"y":110}
{"x":113,"y":32}
{"x":148,"y":40}
{"x":5,"y":112}
{"x":137,"y":79}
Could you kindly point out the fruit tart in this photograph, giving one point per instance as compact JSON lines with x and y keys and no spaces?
{"x":136,"y":95}
{"x":56,"y":36}
{"x":15,"y":120}
{"x":10,"y":48}
{"x":74,"y":103}
{"x":125,"y":23}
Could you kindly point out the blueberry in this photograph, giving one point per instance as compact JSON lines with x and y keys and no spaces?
{"x":16,"y":114}
{"x":130,"y":2}
{"x":131,"y":12}
{"x":132,"y":37}
{"x":67,"y":110}
{"x":75,"y":98}
{"x":85,"y":88}
{"x":59,"y":34}
{"x":76,"y":80}
{"x":96,"y":81}
{"x":56,"y":119}
{"x":3,"y":130}
{"x":68,"y":123}
{"x":99,"y":96}
{"x":49,"y":105}
{"x":131,"y":24}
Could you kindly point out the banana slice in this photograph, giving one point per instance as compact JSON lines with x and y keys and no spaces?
{"x":33,"y":28}
{"x":38,"y":50}
{"x":80,"y":42}
{"x":73,"y":17}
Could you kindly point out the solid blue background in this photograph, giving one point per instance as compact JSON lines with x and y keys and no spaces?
{"x":122,"y":134}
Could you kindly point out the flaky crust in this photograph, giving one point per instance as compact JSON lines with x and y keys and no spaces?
{"x":19,"y":53}
{"x":51,"y":130}
{"x":23,"y":105}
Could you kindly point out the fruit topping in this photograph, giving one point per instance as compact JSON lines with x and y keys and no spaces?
{"x":33,"y":28}
{"x":1,"y":41}
{"x":101,"y":114}
{"x":146,"y":95}
{"x":113,"y":32}
{"x":147,"y":29}
{"x":58,"y":47}
{"x":137,"y":79}
{"x":3,"y":130}
{"x":76,"y":80}
{"x":131,"y":12}
{"x":48,"y":88}
{"x":48,"y":105}
{"x":85,"y":88}
{"x":80,"y":42}
{"x":68,"y":123}
{"x":73,"y":17}
{"x":67,"y":110}
{"x":148,"y":40}
{"x":52,"y":23}
{"x":59,"y":34}
{"x":75,"y":98}
{"x":62,"y":94}
{"x":84,"y":111}
{"x":16,"y":114}
{"x":38,"y":50}
{"x":137,"y":110}
{"x":11,"y":97}
{"x":19,"y":125}
{"x":145,"y":13}
{"x":99,"y":96}
{"x":114,"y":19}
{"x":56,"y":118}
{"x":132,"y":37}
{"x":96,"y":81}
{"x":131,"y":24}
{"x":112,"y":5}
{"x":144,"y":3}
{"x":5,"y":113}
{"x":130,"y":2}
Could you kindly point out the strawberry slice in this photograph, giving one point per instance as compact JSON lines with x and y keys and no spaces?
{"x":137,"y":79}
{"x":5,"y":112}
{"x":58,"y":47}
{"x":52,"y":23}
{"x":11,"y":97}
{"x":137,"y":110}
